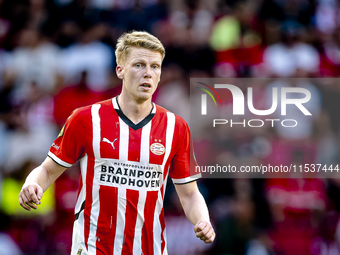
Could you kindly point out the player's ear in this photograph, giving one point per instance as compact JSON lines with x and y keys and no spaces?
{"x":120,"y":72}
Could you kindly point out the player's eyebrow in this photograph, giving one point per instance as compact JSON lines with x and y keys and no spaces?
{"x":143,"y":60}
{"x":137,"y":60}
{"x":156,"y":63}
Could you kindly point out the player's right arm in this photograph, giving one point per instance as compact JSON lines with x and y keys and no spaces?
{"x":37,"y":182}
{"x":66,"y":149}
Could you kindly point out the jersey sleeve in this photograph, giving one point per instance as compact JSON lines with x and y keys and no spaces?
{"x":183,"y":168}
{"x":69,"y":146}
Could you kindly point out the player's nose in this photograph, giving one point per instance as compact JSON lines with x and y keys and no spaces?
{"x":147,"y":73}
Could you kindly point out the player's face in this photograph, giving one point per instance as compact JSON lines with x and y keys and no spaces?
{"x":140,"y":73}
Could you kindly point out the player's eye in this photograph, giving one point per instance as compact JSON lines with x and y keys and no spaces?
{"x":138,"y":65}
{"x":155,"y":66}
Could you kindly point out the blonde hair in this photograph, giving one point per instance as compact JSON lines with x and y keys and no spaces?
{"x":137,"y":39}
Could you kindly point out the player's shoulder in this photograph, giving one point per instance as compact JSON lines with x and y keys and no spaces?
{"x":85,"y":111}
{"x":161,"y":110}
{"x":179,"y":121}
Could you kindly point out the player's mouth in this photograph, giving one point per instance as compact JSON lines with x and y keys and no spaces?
{"x":146,"y":86}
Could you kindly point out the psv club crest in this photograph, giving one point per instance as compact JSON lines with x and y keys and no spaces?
{"x":157,"y":148}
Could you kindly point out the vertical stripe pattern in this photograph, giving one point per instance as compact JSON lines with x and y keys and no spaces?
{"x":158,"y":131}
{"x":120,"y":225}
{"x":81,"y":198}
{"x":123,"y":157}
{"x":144,"y":159}
{"x":107,"y":219}
{"x":130,"y":221}
{"x":147,"y":230}
{"x":124,"y":218}
{"x":134,"y":144}
{"x":78,"y":228}
{"x":123,"y":141}
{"x":137,"y":242}
{"x":95,"y":186}
{"x":170,"y":129}
{"x":109,"y":130}
{"x":145,"y":144}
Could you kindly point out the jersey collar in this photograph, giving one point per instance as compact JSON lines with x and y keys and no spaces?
{"x":127,"y":121}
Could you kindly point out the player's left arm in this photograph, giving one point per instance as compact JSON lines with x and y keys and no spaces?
{"x":196,"y":210}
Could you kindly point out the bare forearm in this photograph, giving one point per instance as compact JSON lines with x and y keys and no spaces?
{"x":195,"y":207}
{"x":37,"y":182}
{"x":41,"y":176}
{"x":45,"y":174}
{"x":196,"y":211}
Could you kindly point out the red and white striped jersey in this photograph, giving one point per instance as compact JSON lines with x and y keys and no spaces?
{"x":124,"y":169}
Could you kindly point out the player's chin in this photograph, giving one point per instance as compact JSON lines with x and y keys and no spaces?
{"x":144,"y":96}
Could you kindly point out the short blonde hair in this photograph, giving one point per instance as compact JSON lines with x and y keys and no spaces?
{"x":137,"y":39}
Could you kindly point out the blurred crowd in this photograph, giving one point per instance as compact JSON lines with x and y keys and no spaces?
{"x":57,"y":55}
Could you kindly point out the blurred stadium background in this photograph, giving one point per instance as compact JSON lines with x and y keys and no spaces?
{"x":57,"y":55}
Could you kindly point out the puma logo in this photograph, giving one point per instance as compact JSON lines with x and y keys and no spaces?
{"x":105,"y":140}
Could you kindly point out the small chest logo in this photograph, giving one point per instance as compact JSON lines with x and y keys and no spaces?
{"x":105,"y":140}
{"x":157,"y":148}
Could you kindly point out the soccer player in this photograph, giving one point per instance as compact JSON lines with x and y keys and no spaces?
{"x":127,"y":147}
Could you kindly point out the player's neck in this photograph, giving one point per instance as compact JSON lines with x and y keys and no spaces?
{"x":135,"y":111}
